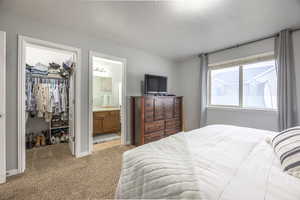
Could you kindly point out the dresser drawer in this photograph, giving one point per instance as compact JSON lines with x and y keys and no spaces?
{"x":159,"y":111}
{"x":172,"y":131}
{"x":149,"y":116}
{"x":169,"y":107}
{"x":149,"y":109}
{"x":177,"y":107}
{"x":173,"y":123}
{"x":178,"y":100}
{"x":177,"y":110}
{"x":151,"y":137}
{"x":154,"y":126}
{"x":149,"y":103}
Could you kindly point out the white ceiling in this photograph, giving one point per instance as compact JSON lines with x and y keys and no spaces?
{"x":171,"y":28}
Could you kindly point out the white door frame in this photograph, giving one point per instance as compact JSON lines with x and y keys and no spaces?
{"x":2,"y":107}
{"x":22,"y":42}
{"x":124,"y":130}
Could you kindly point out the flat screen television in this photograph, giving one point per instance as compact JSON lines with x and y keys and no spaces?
{"x":155,"y":84}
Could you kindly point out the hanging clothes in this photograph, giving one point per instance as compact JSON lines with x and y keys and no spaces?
{"x":47,"y":89}
{"x":46,"y":97}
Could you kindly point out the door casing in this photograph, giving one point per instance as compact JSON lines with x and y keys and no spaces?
{"x":124,"y":111}
{"x":2,"y":107}
{"x":23,"y":41}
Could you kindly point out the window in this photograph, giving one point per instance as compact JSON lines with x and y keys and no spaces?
{"x":225,"y":86}
{"x":248,"y":86}
{"x":260,"y":85}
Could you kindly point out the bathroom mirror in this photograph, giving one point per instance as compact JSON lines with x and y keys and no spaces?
{"x":105,"y":84}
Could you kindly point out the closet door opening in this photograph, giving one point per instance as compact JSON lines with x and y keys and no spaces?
{"x":107,"y":101}
{"x":47,"y":112}
{"x":2,"y":107}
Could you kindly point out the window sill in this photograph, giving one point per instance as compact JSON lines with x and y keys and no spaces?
{"x":239,"y":109}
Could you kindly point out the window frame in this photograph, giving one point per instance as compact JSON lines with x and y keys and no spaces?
{"x":240,"y":106}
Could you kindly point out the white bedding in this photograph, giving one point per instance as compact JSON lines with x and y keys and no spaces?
{"x":215,"y":162}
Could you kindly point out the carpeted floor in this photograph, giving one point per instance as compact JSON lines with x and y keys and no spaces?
{"x":106,"y":145}
{"x":52,"y":173}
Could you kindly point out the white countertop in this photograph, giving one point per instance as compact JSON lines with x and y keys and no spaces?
{"x":99,"y":108}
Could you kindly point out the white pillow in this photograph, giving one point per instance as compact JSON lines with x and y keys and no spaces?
{"x":286,"y":145}
{"x":268,"y":140}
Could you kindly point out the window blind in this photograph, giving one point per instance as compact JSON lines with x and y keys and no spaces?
{"x":243,"y":61}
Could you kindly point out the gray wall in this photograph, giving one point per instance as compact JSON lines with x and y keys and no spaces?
{"x":188,"y":74}
{"x":189,"y":87}
{"x":248,"y":118}
{"x":138,"y":63}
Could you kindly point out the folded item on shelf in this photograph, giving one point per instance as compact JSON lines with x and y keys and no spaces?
{"x":38,"y":72}
{"x":54,"y":76}
{"x":54,"y":65}
{"x":64,"y":74}
{"x":27,"y":71}
{"x":69,"y":66}
{"x":54,"y":71}
{"x":40,"y":67}
{"x":28,"y":67}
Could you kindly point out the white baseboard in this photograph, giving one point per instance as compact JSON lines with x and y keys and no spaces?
{"x":2,"y":179}
{"x":82,"y":154}
{"x":128,"y":142}
{"x":12,"y":172}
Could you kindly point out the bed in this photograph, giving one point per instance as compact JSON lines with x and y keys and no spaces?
{"x":215,"y":162}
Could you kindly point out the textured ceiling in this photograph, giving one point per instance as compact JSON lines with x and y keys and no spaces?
{"x":175,"y":29}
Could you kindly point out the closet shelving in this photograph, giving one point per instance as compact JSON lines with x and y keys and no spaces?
{"x":56,"y":133}
{"x":53,"y":128}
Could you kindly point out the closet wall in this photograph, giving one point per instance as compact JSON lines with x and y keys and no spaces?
{"x":138,"y":63}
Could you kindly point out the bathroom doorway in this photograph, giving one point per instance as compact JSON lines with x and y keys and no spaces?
{"x":107,"y":105}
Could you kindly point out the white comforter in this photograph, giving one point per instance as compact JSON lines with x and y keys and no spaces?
{"x":216,"y":162}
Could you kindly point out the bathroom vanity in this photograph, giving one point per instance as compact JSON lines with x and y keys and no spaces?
{"x":106,"y":120}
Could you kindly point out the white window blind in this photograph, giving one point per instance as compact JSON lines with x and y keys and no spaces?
{"x":243,"y":61}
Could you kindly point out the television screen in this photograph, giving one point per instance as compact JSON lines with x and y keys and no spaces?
{"x":162,"y":84}
{"x":155,"y":84}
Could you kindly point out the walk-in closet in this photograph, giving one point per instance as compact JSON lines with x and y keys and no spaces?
{"x":48,"y":86}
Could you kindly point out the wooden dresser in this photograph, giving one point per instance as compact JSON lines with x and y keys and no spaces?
{"x":106,"y":122}
{"x":155,"y":117}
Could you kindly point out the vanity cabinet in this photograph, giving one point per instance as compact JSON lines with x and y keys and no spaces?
{"x":106,"y":122}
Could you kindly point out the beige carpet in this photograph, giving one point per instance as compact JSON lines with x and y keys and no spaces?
{"x":52,"y":173}
{"x":105,"y":145}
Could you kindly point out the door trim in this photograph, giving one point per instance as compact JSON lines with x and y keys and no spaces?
{"x":124,"y":130}
{"x":3,"y":107}
{"x":22,"y":42}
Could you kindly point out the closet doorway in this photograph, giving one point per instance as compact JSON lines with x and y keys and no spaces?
{"x":2,"y":107}
{"x":48,"y":115}
{"x":107,"y":101}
